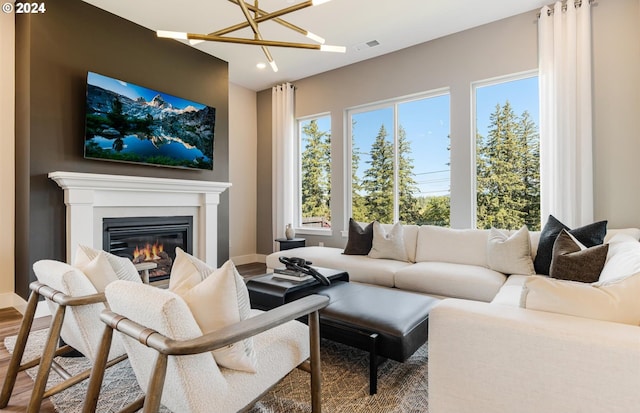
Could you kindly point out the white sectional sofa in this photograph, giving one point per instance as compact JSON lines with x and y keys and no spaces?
{"x":442,"y":262}
{"x":487,"y":354}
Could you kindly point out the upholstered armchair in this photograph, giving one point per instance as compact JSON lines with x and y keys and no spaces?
{"x":173,"y":360}
{"x":73,"y":296}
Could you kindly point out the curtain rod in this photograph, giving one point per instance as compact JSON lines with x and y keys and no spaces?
{"x":576,"y":3}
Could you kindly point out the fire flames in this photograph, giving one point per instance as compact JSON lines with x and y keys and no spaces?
{"x":149,"y":252}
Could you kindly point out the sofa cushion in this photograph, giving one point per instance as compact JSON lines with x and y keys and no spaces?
{"x":410,"y":235}
{"x":458,"y":246}
{"x":588,"y":235}
{"x":360,"y":239}
{"x":388,"y":244}
{"x":615,"y":301}
{"x":510,"y":253}
{"x":451,"y":280}
{"x":575,"y":262}
{"x":623,"y":258}
{"x":361,"y":268}
{"x":217,"y":298}
{"x":511,"y":291}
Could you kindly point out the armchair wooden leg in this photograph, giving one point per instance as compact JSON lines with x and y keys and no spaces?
{"x":97,"y":372}
{"x":18,"y":351}
{"x":156,"y":384}
{"x":316,"y":378}
{"x":46,"y":360}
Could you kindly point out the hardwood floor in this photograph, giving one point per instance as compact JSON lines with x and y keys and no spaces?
{"x":10,"y":320}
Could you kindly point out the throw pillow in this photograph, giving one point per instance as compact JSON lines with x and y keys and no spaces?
{"x":100,"y":267}
{"x":609,"y":301}
{"x":388,"y":245}
{"x":589,"y":235}
{"x":575,"y":262}
{"x":360,"y":239}
{"x":510,"y":254}
{"x":217,"y":298}
{"x":623,"y":258}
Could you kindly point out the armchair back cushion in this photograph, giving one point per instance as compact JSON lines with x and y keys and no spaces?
{"x":81,"y":328}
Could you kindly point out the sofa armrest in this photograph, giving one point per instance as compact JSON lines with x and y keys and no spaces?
{"x":494,"y":358}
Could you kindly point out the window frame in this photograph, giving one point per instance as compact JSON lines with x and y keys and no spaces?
{"x":297,"y":178}
{"x":348,"y":144}
{"x":527,"y":74}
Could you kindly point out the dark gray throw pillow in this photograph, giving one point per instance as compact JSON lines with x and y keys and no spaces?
{"x":360,"y":239}
{"x":570,"y":262}
{"x":589,"y":235}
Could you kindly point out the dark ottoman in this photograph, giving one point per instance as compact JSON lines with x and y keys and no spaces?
{"x":387,"y":322}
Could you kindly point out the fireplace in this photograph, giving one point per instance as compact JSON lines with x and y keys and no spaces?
{"x":149,"y":240}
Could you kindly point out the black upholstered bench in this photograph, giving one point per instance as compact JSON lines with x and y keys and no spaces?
{"x":389,"y":323}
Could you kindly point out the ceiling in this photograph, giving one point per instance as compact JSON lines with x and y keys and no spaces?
{"x":394,"y":24}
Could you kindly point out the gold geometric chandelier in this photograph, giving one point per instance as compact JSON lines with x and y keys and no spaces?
{"x":255,"y":15}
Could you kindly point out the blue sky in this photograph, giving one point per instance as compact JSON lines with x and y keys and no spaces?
{"x":134,"y":91}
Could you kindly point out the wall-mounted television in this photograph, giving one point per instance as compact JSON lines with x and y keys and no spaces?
{"x":130,"y":123}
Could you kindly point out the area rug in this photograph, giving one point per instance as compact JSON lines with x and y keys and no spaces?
{"x":402,"y":387}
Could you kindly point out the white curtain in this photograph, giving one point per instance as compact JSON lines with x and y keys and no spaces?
{"x":282,"y":136}
{"x":566,"y":161}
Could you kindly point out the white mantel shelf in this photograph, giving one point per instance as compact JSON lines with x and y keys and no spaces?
{"x":91,"y":197}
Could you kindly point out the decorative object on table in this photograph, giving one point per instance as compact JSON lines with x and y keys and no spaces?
{"x":289,"y":232}
{"x":291,"y":275}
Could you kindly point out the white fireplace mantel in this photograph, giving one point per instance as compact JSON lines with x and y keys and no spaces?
{"x":91,"y":197}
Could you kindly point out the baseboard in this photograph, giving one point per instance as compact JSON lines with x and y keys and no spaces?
{"x":8,"y":300}
{"x":248,"y":259}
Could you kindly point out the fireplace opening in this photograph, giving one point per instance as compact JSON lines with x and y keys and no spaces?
{"x":149,"y":240}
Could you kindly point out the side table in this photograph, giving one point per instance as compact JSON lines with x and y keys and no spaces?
{"x":267,"y":292}
{"x":287,"y":244}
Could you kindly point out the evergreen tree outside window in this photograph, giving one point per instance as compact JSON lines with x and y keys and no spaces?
{"x":507,"y":154}
{"x":315,"y":172}
{"x":400,"y":168}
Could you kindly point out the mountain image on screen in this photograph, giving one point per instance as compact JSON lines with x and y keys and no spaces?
{"x":130,"y":123}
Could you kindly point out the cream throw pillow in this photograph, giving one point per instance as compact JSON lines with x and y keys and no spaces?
{"x":217,"y":298}
{"x":615,"y":301}
{"x":102,"y":268}
{"x":623,"y":258}
{"x":510,"y":254}
{"x":388,"y":245}
{"x":123,"y":267}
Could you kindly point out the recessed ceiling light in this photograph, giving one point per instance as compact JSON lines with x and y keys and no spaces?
{"x":261,"y":65}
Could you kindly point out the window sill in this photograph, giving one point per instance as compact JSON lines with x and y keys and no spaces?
{"x":312,"y":231}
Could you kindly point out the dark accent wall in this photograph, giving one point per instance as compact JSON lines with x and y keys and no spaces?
{"x":54,"y":52}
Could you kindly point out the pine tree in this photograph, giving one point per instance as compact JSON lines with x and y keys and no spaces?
{"x":378,"y":179}
{"x":359,"y":210}
{"x":528,"y":138}
{"x":501,"y":160}
{"x":407,"y":186}
{"x":316,"y":172}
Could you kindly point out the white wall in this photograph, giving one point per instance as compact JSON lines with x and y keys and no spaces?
{"x":242,"y":175}
{"x":7,"y":159}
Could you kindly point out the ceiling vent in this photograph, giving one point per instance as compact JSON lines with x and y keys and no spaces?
{"x":366,"y":45}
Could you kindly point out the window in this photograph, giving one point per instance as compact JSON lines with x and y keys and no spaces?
{"x":507,"y":153}
{"x":314,"y":176}
{"x":400,"y":161}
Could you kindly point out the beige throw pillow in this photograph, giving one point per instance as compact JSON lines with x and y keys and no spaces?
{"x":615,"y":301}
{"x":510,"y":254}
{"x":388,"y":245}
{"x":123,"y":267}
{"x":217,"y":298}
{"x":102,"y":268}
{"x":623,"y":258}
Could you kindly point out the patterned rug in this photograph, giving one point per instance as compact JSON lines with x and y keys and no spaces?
{"x":402,"y":387}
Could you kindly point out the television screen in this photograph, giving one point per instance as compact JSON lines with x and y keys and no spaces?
{"x":130,"y":123}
